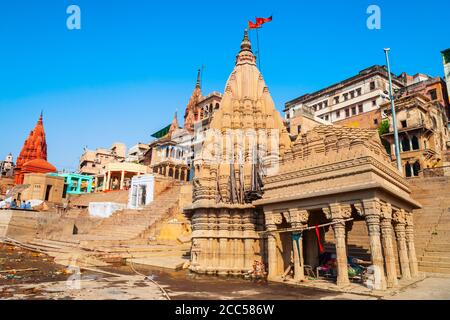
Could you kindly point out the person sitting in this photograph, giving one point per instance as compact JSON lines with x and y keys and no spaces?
{"x":28,"y":206}
{"x":23,"y":205}
{"x":13,"y":204}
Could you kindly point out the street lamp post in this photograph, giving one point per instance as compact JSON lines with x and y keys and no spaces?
{"x":394,"y":118}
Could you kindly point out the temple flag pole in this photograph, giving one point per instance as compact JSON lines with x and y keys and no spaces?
{"x":259,"y":52}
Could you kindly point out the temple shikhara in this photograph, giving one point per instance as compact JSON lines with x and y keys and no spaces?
{"x":234,"y":188}
{"x":33,"y":157}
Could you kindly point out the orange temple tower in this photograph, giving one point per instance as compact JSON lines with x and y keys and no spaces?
{"x":34,"y":152}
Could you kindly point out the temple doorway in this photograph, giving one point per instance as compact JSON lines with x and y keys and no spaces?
{"x":47,"y":192}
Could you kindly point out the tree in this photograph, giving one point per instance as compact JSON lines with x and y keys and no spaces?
{"x":384,"y":127}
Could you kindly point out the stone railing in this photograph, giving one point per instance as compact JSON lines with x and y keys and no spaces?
{"x":436,"y":172}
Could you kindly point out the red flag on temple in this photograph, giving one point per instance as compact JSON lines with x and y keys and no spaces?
{"x":261,"y":21}
{"x":252,"y":25}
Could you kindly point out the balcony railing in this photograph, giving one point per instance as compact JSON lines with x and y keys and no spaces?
{"x":436,"y":172}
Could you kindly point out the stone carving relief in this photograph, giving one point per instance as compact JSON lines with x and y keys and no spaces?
{"x":399,"y":216}
{"x":338,"y":211}
{"x":409,"y":219}
{"x":300,"y":216}
{"x":287,"y":216}
{"x":386,"y":211}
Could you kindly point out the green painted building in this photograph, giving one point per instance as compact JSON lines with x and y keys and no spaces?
{"x":76,"y":183}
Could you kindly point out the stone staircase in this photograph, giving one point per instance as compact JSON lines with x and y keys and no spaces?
{"x":432,"y":223}
{"x":83,"y":200}
{"x":126,"y":225}
{"x":117,"y":238}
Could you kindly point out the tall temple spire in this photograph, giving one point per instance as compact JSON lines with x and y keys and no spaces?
{"x":174,"y":125}
{"x":35,"y":147}
{"x":199,"y":75}
{"x":247,"y":106}
{"x":191,"y":113}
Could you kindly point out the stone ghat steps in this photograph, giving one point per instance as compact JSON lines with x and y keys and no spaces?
{"x":111,"y":196}
{"x":432,"y":223}
{"x":435,"y":258}
{"x":129,"y":224}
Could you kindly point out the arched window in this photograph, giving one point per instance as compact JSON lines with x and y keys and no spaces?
{"x":415,"y":143}
{"x":416,"y":168}
{"x":408,"y":170}
{"x":177,"y":174}
{"x":182,"y":176}
{"x":405,"y":144}
{"x":217,"y":105}
{"x":210,"y":108}
{"x":170,"y":172}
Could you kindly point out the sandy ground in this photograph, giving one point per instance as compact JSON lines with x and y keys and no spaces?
{"x":52,"y":281}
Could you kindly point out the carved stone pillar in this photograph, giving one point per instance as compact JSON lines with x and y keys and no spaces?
{"x":224,"y":254}
{"x":372,"y":212}
{"x":249,"y":225}
{"x":271,"y":247}
{"x":388,"y":245}
{"x":299,"y":219}
{"x":337,"y":213}
{"x":409,"y":230}
{"x":399,"y":226}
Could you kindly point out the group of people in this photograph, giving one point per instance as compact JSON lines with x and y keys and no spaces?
{"x":16,"y":204}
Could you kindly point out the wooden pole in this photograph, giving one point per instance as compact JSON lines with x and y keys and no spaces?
{"x":303,"y":228}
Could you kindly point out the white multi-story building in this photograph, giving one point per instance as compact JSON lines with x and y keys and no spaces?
{"x":359,"y":94}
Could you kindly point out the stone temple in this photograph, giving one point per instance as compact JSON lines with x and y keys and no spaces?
{"x":256,"y":192}
{"x":225,"y":224}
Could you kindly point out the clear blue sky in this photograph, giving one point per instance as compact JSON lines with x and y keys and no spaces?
{"x":121,"y":77}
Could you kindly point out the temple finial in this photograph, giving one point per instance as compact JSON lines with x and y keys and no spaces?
{"x":199,"y":75}
{"x":245,"y":44}
{"x":41,"y":117}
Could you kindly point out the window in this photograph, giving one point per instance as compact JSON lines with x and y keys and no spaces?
{"x":405,"y":144}
{"x":299,"y":129}
{"x":347,"y":113}
{"x":288,"y":115}
{"x":336,"y":99}
{"x":375,"y":121}
{"x":325,"y":104}
{"x":403,"y":123}
{"x":374,"y":103}
{"x":408,"y":170}
{"x":345,"y":96}
{"x":433,"y":94}
{"x":338,"y":114}
{"x":360,"y":108}
{"x":358,"y":91}
{"x":415,"y":143}
{"x":326,"y":118}
{"x":416,"y":168}
{"x":372,"y":85}
{"x":352,"y":94}
{"x":353,"y":111}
